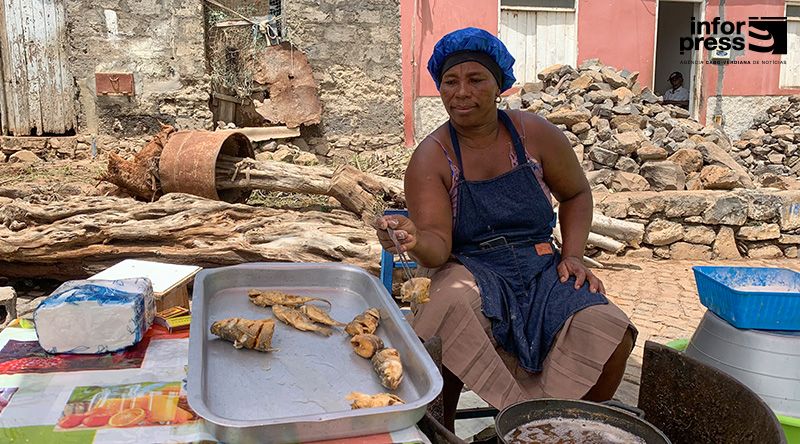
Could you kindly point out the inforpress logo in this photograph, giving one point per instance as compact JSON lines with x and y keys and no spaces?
{"x":766,"y":35}
{"x":770,"y":31}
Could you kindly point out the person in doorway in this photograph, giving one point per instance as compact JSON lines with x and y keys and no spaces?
{"x":677,"y":95}
{"x":518,"y":319}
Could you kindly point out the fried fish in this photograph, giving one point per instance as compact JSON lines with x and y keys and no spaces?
{"x":270,"y":298}
{"x":416,"y":290}
{"x":364,"y":401}
{"x":366,"y":345}
{"x":320,"y":316}
{"x":387,"y":365}
{"x":298,"y":320}
{"x":256,"y":335}
{"x":365,"y":323}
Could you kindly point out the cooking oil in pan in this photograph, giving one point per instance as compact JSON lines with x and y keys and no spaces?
{"x":570,"y":431}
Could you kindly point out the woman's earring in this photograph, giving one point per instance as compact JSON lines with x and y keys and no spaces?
{"x":497,"y":99}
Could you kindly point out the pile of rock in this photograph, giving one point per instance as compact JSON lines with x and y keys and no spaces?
{"x":286,"y":152}
{"x":39,"y":149}
{"x":771,"y":147}
{"x":389,"y":161}
{"x":625,"y":139}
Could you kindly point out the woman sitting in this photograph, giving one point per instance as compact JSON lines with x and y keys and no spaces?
{"x":517,"y":319}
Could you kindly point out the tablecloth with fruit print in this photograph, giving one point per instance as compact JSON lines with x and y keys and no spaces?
{"x":137,"y":395}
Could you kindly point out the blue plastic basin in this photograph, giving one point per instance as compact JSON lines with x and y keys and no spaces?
{"x":751,"y":297}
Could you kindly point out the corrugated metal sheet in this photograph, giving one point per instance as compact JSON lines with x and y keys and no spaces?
{"x":37,"y":96}
{"x":538,"y":39}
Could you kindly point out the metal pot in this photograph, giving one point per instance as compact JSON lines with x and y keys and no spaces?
{"x":612,"y":413}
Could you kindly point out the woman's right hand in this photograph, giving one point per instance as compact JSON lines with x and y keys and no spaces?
{"x":404,"y":230}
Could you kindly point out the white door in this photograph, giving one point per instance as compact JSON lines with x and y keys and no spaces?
{"x":538,"y":33}
{"x":790,"y":70}
{"x":37,"y":91}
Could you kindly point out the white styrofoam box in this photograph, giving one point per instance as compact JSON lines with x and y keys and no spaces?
{"x":96,"y":316}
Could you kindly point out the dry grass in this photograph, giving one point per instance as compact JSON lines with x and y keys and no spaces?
{"x":53,"y":172}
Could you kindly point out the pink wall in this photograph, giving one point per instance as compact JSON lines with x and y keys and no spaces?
{"x":425,"y":26}
{"x":744,"y":80}
{"x":620,"y":35}
{"x":435,"y":18}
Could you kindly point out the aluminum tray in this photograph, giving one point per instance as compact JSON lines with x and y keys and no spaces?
{"x":298,"y":393}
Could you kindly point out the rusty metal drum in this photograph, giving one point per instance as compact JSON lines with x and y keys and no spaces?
{"x":188,"y":163}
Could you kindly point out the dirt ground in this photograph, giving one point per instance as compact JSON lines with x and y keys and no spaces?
{"x":44,"y":181}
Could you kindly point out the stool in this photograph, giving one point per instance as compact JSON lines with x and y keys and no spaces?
{"x":387,"y":259}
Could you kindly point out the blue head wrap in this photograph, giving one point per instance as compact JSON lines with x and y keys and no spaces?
{"x":472,"y":39}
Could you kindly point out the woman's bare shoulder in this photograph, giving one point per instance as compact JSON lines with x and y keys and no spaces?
{"x":433,"y":149}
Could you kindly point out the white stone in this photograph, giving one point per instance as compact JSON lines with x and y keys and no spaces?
{"x":725,"y":245}
{"x":24,"y":156}
{"x":765,"y":252}
{"x":663,"y":232}
{"x":699,"y":235}
{"x":663,"y":175}
{"x":759,"y":232}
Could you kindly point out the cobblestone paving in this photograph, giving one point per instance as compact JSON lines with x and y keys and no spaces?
{"x":661,"y":299}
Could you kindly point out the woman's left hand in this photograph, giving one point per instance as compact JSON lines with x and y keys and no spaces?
{"x":573,"y":266}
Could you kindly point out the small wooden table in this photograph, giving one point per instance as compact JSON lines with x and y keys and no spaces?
{"x":170,"y":282}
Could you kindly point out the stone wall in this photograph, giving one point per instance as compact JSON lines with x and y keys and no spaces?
{"x":354,"y":50}
{"x":710,"y":224}
{"x":161,"y":42}
{"x":429,"y":113}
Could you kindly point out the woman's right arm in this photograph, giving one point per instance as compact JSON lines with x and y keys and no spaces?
{"x":426,"y":235}
{"x":428,"y":202}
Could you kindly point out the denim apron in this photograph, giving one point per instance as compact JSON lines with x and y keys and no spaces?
{"x":502,"y":236}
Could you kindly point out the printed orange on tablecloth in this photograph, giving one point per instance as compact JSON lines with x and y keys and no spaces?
{"x":143,"y":404}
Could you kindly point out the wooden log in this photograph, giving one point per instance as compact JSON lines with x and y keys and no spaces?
{"x":592,"y":263}
{"x":362,"y":193}
{"x":559,"y":241}
{"x":139,"y":176}
{"x":616,"y":229}
{"x":80,"y":236}
{"x":605,"y":242}
{"x":630,"y":233}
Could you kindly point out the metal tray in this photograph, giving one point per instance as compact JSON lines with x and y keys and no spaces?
{"x":298,"y":393}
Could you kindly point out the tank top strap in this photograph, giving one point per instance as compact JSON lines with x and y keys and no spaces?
{"x":519,"y":148}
